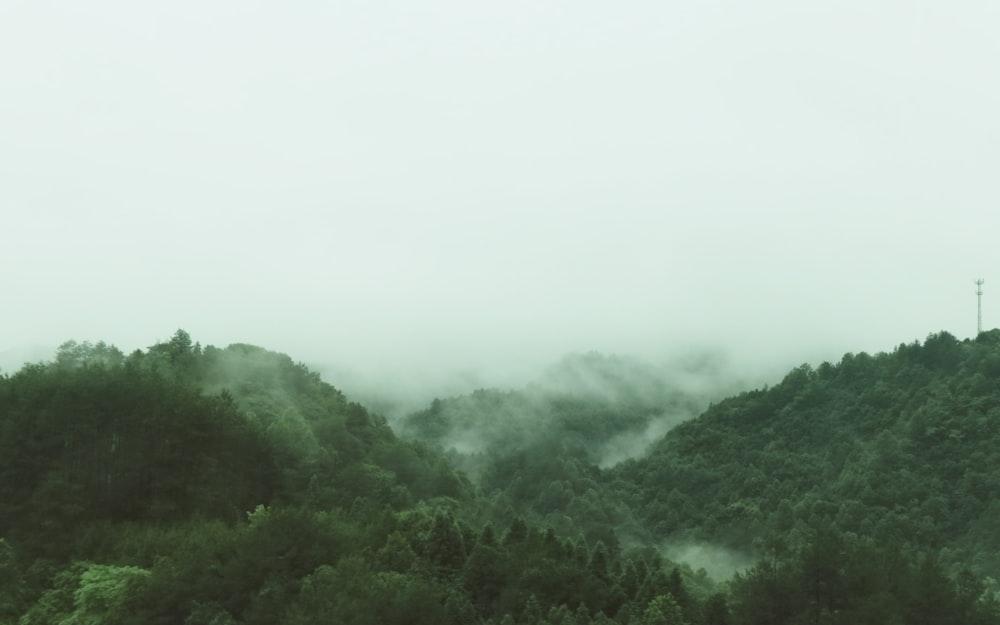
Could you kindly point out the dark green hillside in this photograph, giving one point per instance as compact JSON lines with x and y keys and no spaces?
{"x":867,"y":488}
{"x":106,"y":439}
{"x":325,"y":445}
{"x":179,"y":430}
{"x":903,"y":447}
{"x":591,"y":407}
{"x":538,"y":450}
{"x":209,"y":486}
{"x":206,"y":486}
{"x":584,"y":401}
{"x":591,"y":402}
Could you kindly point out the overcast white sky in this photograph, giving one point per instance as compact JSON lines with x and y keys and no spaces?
{"x":464,"y":184}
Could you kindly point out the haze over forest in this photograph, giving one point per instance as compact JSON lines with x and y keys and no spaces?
{"x":445,"y":188}
{"x":496,"y":313}
{"x":233,"y":486}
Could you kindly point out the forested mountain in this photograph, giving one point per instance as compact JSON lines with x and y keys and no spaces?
{"x":891,"y":457}
{"x":178,"y":430}
{"x":198,"y":485}
{"x":539,"y":450}
{"x":193,"y":485}
{"x":903,"y":447}
{"x":608,"y":407}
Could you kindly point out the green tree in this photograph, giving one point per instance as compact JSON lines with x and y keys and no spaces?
{"x":357,"y":596}
{"x":662,"y":610}
{"x":445,"y":546}
{"x":716,"y":610}
{"x":12,"y":588}
{"x":485,"y":574}
{"x":89,"y":594}
{"x":932,"y":597}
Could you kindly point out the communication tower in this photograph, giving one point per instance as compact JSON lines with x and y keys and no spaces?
{"x":979,"y":297}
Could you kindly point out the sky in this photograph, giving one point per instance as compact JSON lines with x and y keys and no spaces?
{"x":476,"y":186}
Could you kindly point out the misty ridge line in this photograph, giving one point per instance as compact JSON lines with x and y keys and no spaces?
{"x":642,"y":401}
{"x":399,"y":392}
{"x":608,"y":408}
{"x":635,"y":402}
{"x":701,"y":377}
{"x":597,"y":409}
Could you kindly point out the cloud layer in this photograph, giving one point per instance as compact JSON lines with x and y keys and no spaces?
{"x":388,"y":186}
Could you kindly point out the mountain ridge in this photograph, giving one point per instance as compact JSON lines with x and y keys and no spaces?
{"x":199,"y":485}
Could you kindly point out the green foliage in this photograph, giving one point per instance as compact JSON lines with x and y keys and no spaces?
{"x":210,"y":486}
{"x":357,"y":595}
{"x":898,"y":446}
{"x":12,"y":589}
{"x":856,"y":581}
{"x":330,"y":449}
{"x":103,"y":592}
{"x":662,"y":610}
{"x":445,"y":546}
{"x":90,"y":443}
{"x":88,"y":594}
{"x":55,"y":603}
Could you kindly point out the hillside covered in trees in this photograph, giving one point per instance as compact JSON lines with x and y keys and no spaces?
{"x":902,"y":447}
{"x":199,"y":485}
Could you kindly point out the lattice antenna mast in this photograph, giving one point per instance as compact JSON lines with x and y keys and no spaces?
{"x":979,"y":297}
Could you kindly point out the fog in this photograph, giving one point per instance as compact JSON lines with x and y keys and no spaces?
{"x":634,"y":444}
{"x":442,"y":196}
{"x":720,"y":563}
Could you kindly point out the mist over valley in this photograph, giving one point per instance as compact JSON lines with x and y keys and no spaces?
{"x":606,"y":486}
{"x":499,"y":313}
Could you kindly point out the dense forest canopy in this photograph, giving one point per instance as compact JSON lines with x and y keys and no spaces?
{"x":901,"y":446}
{"x":204,"y":485}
